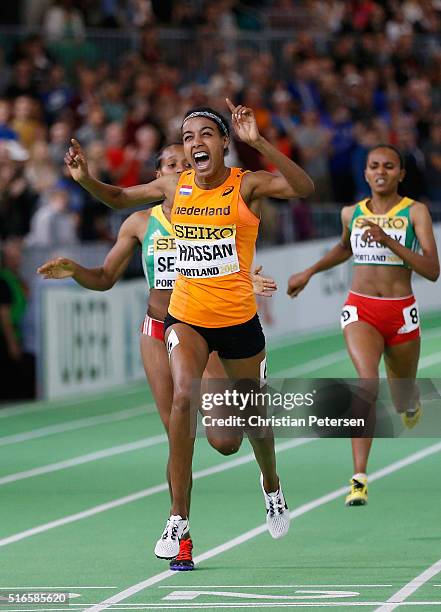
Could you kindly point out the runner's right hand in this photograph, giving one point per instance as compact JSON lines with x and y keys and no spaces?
{"x":75,"y":160}
{"x":61,"y":267}
{"x":297,"y":282}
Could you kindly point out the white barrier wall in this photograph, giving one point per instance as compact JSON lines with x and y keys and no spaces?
{"x":320,"y":303}
{"x":90,"y":340}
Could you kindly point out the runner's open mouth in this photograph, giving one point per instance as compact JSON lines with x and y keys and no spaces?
{"x":201,"y":160}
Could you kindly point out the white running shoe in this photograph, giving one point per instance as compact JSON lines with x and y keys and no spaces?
{"x":277,"y":514}
{"x":167,"y":547}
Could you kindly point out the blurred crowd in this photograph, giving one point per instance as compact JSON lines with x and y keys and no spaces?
{"x":363,"y":72}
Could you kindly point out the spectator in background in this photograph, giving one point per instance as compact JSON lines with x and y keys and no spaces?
{"x":22,"y":82}
{"x":314,"y":141}
{"x":53,"y":224}
{"x":124,"y":167}
{"x":93,"y":128}
{"x":138,"y":116}
{"x":413,"y":183}
{"x":40,"y":170}
{"x":329,"y":13}
{"x":17,"y":199}
{"x":112,"y":101}
{"x":150,"y":49}
{"x":62,"y":20}
{"x":253,"y":98}
{"x":86,"y":92}
{"x":148,"y":142}
{"x":6,"y":130}
{"x":59,"y":139}
{"x":226,"y":78}
{"x":303,"y":87}
{"x":432,"y":175}
{"x":140,"y":13}
{"x":284,"y":115}
{"x":5,"y":72}
{"x":95,"y":219}
{"x":366,"y":137}
{"x":342,"y":144}
{"x":33,"y":12}
{"x":283,"y":143}
{"x":96,"y":156}
{"x":143,"y":87}
{"x":56,"y":93}
{"x":33,"y":49}
{"x":111,"y":14}
{"x":259,"y":70}
{"x":26,"y":121}
{"x":398,"y":26}
{"x":184,"y":14}
{"x":17,"y":367}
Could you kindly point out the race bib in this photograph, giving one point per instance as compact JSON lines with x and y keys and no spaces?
{"x":206,"y":251}
{"x":374,"y":252}
{"x":164,"y":261}
{"x":411,"y":319}
{"x":349,"y":314}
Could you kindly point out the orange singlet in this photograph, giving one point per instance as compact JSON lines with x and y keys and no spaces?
{"x":215,"y":237}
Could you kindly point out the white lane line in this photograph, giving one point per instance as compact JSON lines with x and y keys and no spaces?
{"x":81,"y":459}
{"x":431,"y":334}
{"x":127,"y":499}
{"x":273,"y":604}
{"x":313,"y":365}
{"x":400,"y":596}
{"x":121,"y":415}
{"x":333,"y":358}
{"x":428,"y":361}
{"x":39,"y":588}
{"x":252,"y":533}
{"x":269,"y":586}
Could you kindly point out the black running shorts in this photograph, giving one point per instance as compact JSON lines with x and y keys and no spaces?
{"x":233,"y":342}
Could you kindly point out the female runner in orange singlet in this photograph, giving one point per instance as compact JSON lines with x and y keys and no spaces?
{"x":152,"y":228}
{"x":383,"y":233}
{"x":212,"y":305}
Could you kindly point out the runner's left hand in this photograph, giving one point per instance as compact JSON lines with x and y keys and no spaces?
{"x":61,"y":267}
{"x":374,"y":233}
{"x":262,"y":285}
{"x":244,"y":123}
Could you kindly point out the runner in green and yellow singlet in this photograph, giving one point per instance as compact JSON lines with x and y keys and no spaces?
{"x":385,"y":234}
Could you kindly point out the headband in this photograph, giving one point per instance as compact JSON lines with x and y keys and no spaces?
{"x":212,"y":116}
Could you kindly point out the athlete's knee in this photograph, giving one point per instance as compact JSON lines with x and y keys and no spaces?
{"x":182,"y":398}
{"x":368,"y":387}
{"x":226,"y":446}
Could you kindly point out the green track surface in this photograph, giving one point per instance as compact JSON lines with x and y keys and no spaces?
{"x":333,"y":556}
